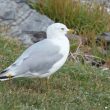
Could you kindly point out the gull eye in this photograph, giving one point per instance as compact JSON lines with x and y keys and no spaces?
{"x":62,"y":29}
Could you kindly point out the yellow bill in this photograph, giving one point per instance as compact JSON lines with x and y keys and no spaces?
{"x":71,"y":31}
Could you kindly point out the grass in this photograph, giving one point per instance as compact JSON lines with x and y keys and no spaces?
{"x":73,"y":87}
{"x":7,"y":47}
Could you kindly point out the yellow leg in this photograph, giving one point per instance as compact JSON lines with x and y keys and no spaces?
{"x":48,"y":84}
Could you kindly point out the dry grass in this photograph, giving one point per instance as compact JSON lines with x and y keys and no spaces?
{"x":87,"y":19}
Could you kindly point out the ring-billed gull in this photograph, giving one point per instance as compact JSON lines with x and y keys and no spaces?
{"x":42,"y":58}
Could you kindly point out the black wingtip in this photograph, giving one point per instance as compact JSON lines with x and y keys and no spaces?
{"x":3,"y":77}
{"x":6,"y":77}
{"x":3,"y":71}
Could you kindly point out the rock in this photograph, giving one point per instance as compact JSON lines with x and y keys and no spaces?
{"x":21,"y":21}
{"x":38,"y":36}
{"x":20,"y":1}
{"x":105,"y":39}
{"x":105,"y":3}
{"x":105,"y":36}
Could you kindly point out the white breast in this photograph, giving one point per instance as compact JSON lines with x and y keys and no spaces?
{"x":64,"y":50}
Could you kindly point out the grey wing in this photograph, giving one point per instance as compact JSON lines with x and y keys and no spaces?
{"x":39,"y":58}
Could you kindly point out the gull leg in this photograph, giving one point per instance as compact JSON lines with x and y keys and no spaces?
{"x":10,"y":83}
{"x":40,"y":85}
{"x":10,"y":79}
{"x":48,"y":83}
{"x":39,"y":88}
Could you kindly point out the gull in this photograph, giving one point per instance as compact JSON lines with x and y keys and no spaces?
{"x":43,"y":58}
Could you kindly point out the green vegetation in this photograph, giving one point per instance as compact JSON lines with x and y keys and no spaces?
{"x":9,"y":50}
{"x":76,"y":86}
{"x":85,"y":18}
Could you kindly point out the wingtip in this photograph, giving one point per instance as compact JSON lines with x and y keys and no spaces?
{"x":3,"y":78}
{"x":5,"y":75}
{"x":4,"y":71}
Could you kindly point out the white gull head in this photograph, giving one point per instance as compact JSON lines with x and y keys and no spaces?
{"x":57,"y":30}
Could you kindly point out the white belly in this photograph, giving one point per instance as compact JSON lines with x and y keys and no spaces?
{"x":65,"y":47}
